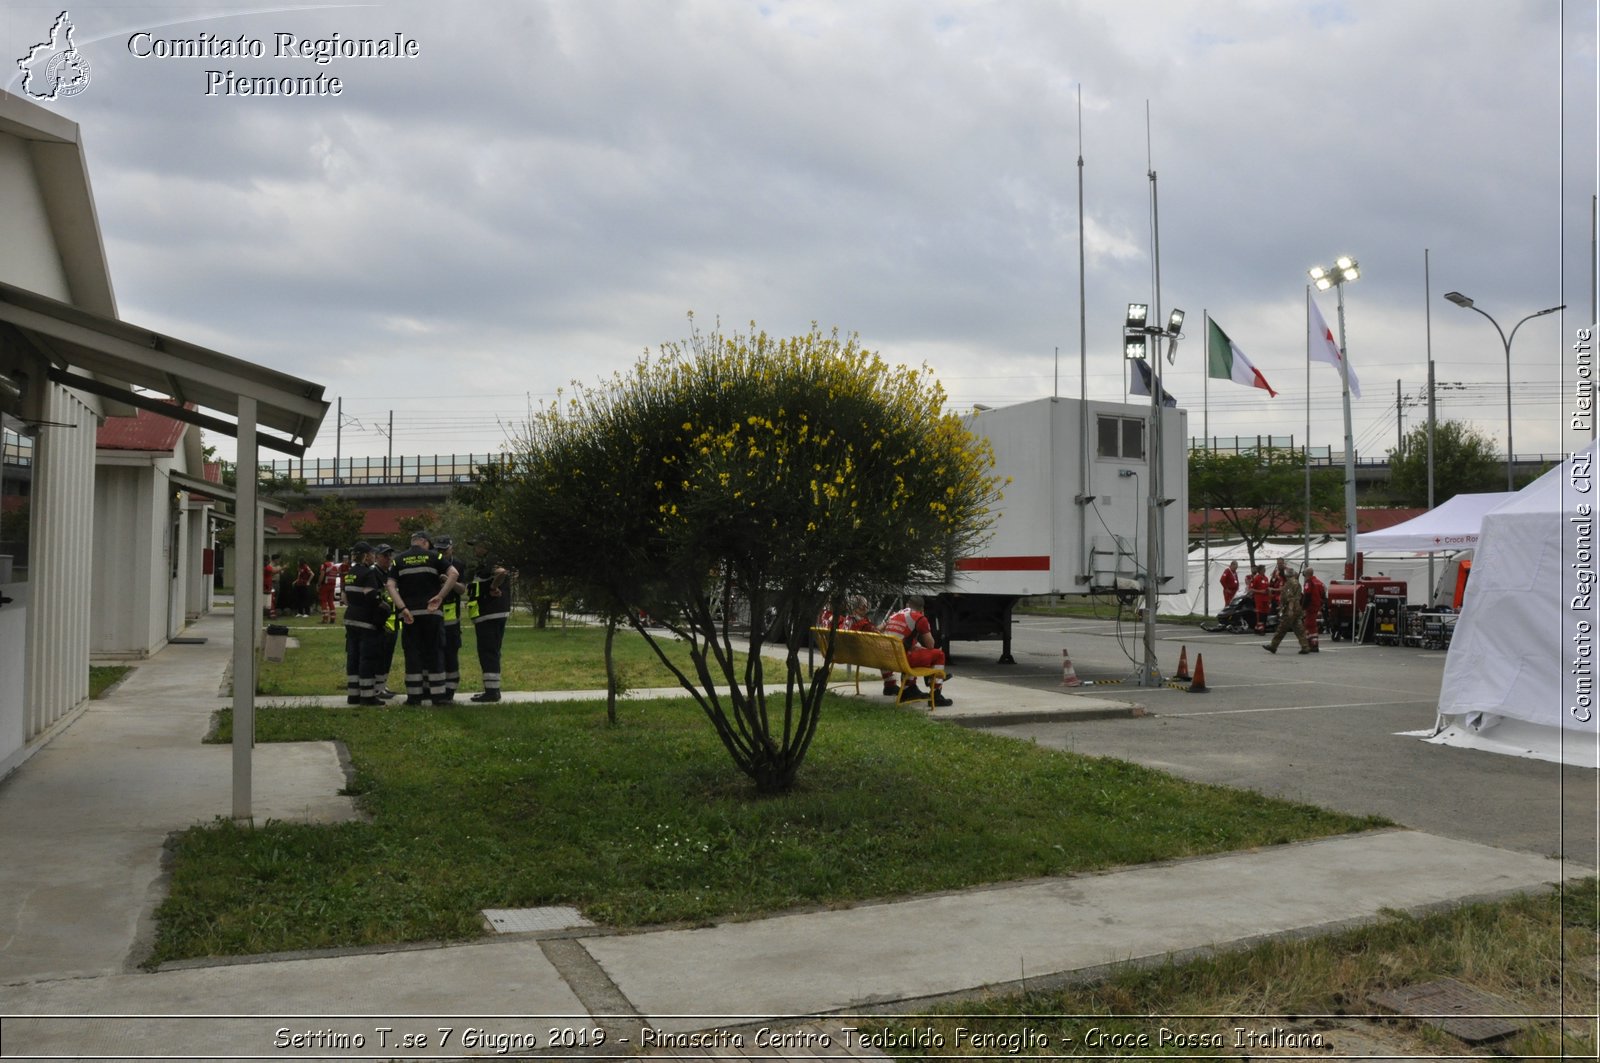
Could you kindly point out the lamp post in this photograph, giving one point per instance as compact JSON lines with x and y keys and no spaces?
{"x":1345,"y":269}
{"x":1463,"y":301}
{"x":1139,"y":343}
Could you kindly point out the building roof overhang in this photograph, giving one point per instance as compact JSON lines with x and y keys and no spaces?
{"x":117,"y":353}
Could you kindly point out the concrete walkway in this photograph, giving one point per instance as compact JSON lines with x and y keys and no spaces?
{"x":82,"y":825}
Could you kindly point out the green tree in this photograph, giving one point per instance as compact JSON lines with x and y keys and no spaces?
{"x":424,"y":521}
{"x":334,"y":524}
{"x":1463,"y":461}
{"x":1261,"y":495}
{"x":747,"y":470}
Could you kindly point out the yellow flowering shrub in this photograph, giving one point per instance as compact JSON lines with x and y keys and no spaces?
{"x":777,"y":472}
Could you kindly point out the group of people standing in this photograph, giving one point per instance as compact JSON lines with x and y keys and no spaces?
{"x":416,"y":597}
{"x":1297,"y":598}
{"x":308,"y":586}
{"x":912,"y":627}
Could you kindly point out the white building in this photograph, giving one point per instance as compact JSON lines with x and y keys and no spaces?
{"x":152,"y":535}
{"x":66,"y":363}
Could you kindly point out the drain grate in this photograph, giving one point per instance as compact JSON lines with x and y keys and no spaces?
{"x":529,"y":920}
{"x":1456,"y":1008}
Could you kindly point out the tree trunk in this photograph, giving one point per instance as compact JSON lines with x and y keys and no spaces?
{"x":611,"y":672}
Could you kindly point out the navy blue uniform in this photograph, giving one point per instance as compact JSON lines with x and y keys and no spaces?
{"x":489,"y":606}
{"x":417,"y":575}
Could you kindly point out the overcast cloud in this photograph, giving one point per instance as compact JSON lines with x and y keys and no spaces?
{"x":548,"y":188}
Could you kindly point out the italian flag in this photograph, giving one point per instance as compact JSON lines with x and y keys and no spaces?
{"x":1225,"y":361}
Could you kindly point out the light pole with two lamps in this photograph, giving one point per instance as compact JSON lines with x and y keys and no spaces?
{"x":1137,"y":340}
{"x":1345,"y":269}
{"x":1461,"y":300}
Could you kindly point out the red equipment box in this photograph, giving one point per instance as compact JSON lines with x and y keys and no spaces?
{"x":1347,"y":600}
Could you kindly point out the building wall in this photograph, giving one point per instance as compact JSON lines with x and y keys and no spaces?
{"x":44,"y":636}
{"x":197,"y":525}
{"x":129,"y":583}
{"x":30,"y":259}
{"x":61,"y":545}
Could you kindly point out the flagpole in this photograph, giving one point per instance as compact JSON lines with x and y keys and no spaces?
{"x":1085,"y":569}
{"x":1427,"y":321}
{"x":1307,"y":527}
{"x":1205,"y":433}
{"x":1150,"y":671}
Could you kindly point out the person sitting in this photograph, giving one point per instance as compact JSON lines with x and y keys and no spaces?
{"x":913,"y":628}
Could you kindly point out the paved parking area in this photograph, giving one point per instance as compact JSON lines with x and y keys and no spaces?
{"x":1323,"y":728}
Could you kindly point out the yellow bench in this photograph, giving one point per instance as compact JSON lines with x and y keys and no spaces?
{"x":873,"y":649}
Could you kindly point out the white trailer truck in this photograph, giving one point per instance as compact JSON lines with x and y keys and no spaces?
{"x":1074,"y":518}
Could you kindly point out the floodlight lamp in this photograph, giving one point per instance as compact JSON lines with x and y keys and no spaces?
{"x":1459,"y":299}
{"x":1350,"y":273}
{"x":1345,"y":262}
{"x":1137,"y":313}
{"x":1133,"y":347}
{"x":1318,"y":273}
{"x":1324,"y":282}
{"x":1175,"y":323}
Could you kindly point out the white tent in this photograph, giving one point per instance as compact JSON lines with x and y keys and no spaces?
{"x":1327,"y":557}
{"x":1451,"y":525}
{"x":1519,"y":675}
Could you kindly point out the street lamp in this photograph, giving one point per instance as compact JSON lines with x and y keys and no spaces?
{"x":1463,"y":301}
{"x":1140,"y":342}
{"x":1345,"y":269}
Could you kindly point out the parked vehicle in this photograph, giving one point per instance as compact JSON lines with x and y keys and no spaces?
{"x":1073,"y":519}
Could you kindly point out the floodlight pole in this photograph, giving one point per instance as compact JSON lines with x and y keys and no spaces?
{"x":1148,"y":341}
{"x":1150,"y":673}
{"x":1349,"y":448}
{"x":1344,"y":269}
{"x":1505,"y":341}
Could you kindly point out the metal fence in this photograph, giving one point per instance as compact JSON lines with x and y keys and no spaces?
{"x":403,"y":469}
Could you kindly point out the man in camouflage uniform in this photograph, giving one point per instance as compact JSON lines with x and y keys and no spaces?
{"x":1291,"y":613}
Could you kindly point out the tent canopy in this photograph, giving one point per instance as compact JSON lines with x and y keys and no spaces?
{"x":1523,"y":646}
{"x":1452,"y":525}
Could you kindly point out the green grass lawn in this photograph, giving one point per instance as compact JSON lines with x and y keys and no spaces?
{"x":103,"y":677}
{"x":551,"y":658}
{"x":1537,"y":951}
{"x":648,"y":822}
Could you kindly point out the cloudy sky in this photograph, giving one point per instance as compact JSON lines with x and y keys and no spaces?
{"x":548,"y":188}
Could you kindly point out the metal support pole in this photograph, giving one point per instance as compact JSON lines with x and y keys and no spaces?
{"x":1349,"y":449}
{"x":246,"y":608}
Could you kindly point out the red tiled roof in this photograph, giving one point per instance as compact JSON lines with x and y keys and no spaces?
{"x":380,"y":523}
{"x":143,"y":431}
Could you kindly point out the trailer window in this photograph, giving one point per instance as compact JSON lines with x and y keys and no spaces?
{"x":1121,"y":437}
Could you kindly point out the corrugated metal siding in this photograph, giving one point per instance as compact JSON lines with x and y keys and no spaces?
{"x":119,"y":620}
{"x":61,"y":545}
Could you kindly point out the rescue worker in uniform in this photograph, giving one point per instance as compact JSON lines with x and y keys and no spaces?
{"x":489,"y":607}
{"x":912,"y":627}
{"x":1291,"y":614}
{"x":1316,"y":594}
{"x":1230,"y":582}
{"x":418,"y":583}
{"x":383,"y":561}
{"x":450,"y":610}
{"x":329,"y":579}
{"x":1260,"y":596}
{"x":364,"y":615}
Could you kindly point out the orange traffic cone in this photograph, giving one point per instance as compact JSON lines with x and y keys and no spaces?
{"x":1198,"y":685}
{"x":1069,"y":674}
{"x":1183,"y":665}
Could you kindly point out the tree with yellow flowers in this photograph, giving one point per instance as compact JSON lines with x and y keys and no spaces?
{"x":745,"y":468}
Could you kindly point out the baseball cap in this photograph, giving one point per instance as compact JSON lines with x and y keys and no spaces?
{"x":385,"y":549}
{"x":362,"y":547}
